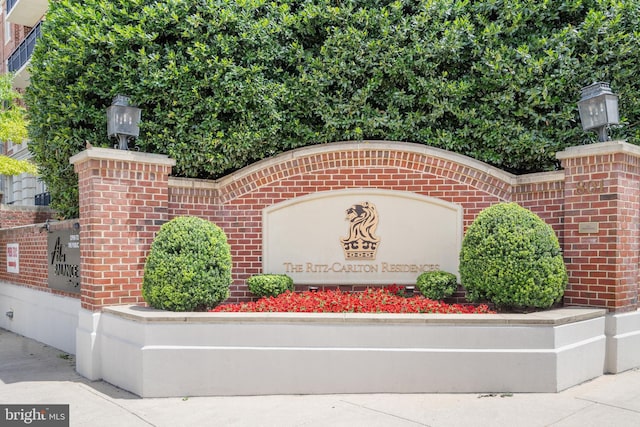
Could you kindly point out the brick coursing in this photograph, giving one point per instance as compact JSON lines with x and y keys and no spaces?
{"x":603,"y":266}
{"x":17,"y":216}
{"x":122,"y":205}
{"x":33,"y":256}
{"x":124,"y":202}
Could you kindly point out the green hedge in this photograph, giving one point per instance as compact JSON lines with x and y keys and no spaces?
{"x":224,"y":83}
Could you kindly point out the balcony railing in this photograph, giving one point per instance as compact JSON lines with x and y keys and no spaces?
{"x":43,"y":199}
{"x":23,"y":52}
{"x":10,"y":4}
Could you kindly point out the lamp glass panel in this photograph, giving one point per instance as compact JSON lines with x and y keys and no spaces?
{"x":123,"y":120}
{"x":593,"y":112}
{"x":612,"y":110}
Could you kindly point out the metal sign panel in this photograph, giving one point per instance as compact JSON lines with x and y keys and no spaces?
{"x":13,"y":258}
{"x":64,"y":260}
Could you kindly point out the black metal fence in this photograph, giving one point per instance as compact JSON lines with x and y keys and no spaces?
{"x":23,"y":52}
{"x":10,"y":4}
{"x":43,"y":199}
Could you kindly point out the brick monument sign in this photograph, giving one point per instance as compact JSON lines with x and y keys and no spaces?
{"x":291,"y":214}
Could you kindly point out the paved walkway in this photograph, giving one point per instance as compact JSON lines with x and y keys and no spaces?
{"x":33,"y":373}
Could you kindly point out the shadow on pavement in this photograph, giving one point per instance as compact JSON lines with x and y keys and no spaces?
{"x":25,"y":360}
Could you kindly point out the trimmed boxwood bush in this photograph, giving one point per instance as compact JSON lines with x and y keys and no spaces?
{"x":269,"y":285}
{"x":437,"y":285}
{"x":189,"y":266}
{"x":512,"y":258}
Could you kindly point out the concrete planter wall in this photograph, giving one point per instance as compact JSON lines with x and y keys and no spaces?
{"x":154,"y":353}
{"x":49,"y":318}
{"x":623,"y":341}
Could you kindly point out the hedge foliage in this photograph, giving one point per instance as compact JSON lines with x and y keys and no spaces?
{"x":12,"y":167}
{"x":512,"y":258}
{"x":188,"y":267}
{"x":13,"y":123}
{"x":223,"y":83}
{"x":437,"y":285}
{"x":269,"y":285}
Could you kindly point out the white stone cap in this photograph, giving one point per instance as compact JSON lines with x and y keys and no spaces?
{"x":555,"y":317}
{"x":599,"y":148}
{"x":121,"y":155}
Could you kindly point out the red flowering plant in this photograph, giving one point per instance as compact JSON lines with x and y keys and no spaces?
{"x":336,"y":301}
{"x":396,"y":290}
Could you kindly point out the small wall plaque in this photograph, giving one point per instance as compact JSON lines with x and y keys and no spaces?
{"x":588,"y":227}
{"x":64,"y":260}
{"x":13,"y":258}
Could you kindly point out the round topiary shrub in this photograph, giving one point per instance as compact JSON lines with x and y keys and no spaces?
{"x":189,"y":266}
{"x":269,"y":285}
{"x":512,"y":258}
{"x":437,"y":285}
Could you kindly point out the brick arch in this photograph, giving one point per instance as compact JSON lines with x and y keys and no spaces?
{"x":236,"y":202}
{"x":366,"y":155}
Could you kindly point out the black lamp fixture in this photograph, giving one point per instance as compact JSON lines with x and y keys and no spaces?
{"x":598,"y":109}
{"x":123,"y":121}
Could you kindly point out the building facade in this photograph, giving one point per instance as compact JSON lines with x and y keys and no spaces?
{"x":21,"y":23}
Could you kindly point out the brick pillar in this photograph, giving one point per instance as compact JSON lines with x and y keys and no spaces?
{"x":601,"y":224}
{"x":123,"y":201}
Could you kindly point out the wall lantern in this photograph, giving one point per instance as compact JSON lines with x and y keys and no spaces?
{"x":123,"y":121}
{"x":598,"y":108}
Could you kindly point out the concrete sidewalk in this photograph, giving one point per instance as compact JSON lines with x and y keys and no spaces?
{"x":33,"y":373}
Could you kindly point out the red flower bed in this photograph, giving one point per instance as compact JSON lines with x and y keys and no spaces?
{"x":370,"y":301}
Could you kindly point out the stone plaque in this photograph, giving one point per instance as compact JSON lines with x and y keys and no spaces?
{"x":64,"y":260}
{"x":361,"y":236}
{"x":588,"y":227}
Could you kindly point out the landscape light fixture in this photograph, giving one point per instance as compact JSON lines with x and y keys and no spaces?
{"x":123,"y":121}
{"x":598,"y":109}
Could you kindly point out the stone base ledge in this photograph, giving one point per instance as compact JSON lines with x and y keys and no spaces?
{"x":555,"y":317}
{"x":156,"y":354}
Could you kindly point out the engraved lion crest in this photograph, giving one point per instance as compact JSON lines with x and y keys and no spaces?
{"x":361,"y":243}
